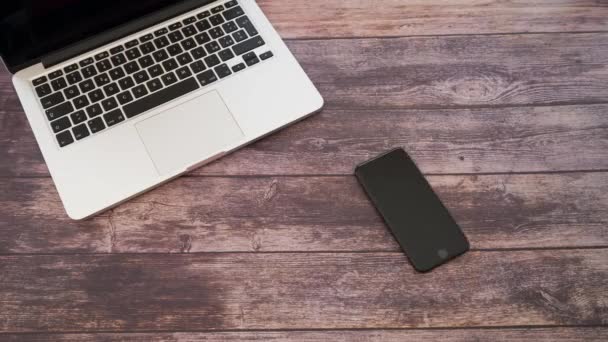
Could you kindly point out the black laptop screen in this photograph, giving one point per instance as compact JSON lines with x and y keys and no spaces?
{"x":31,"y":29}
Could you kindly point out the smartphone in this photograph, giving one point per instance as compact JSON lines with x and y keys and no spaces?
{"x":422,"y":225}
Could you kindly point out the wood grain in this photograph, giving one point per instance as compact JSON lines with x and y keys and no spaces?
{"x":447,"y":335}
{"x":364,"y":18}
{"x":300,"y":291}
{"x":274,"y":214}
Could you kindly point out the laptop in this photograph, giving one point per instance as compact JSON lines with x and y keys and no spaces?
{"x":123,"y":96}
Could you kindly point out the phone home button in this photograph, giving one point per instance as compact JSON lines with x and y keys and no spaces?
{"x":443,"y":253}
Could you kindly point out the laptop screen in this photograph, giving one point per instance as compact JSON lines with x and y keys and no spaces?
{"x":29,"y":29}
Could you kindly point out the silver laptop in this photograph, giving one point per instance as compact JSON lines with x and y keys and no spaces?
{"x":125,"y":95}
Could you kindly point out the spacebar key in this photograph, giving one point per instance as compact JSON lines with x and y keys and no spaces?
{"x":170,"y":93}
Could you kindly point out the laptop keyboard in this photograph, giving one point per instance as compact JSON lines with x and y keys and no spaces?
{"x":96,"y":93}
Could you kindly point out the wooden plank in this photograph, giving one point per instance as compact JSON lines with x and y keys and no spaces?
{"x":441,"y":141}
{"x":376,"y":79}
{"x":447,"y":335}
{"x":273,"y":214}
{"x":159,"y":292}
{"x":363,"y":18}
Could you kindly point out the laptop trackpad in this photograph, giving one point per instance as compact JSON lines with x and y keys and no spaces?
{"x":189,"y":133}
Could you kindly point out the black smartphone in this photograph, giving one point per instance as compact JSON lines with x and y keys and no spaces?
{"x":419,"y":221}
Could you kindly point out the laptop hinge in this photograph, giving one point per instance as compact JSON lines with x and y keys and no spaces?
{"x":119,"y":32}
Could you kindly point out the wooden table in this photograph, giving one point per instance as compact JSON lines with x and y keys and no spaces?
{"x":504,"y":105}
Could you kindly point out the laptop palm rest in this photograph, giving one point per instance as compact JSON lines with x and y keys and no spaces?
{"x":189,"y":133}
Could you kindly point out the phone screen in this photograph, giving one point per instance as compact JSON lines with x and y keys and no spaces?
{"x":419,"y":221}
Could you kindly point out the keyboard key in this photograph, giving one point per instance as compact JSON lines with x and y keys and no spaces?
{"x":203,"y":15}
{"x":216,"y":20}
{"x":114,"y":117}
{"x":207,"y":77}
{"x":125,"y":97}
{"x":59,"y":111}
{"x":161,"y":42}
{"x":96,"y":125}
{"x":141,"y":76}
{"x":245,"y":23}
{"x":212,"y":47}
{"x":102,"y":80}
{"x":176,"y":36}
{"x":103,"y":66}
{"x":161,"y":32}
{"x":74,"y":77}
{"x":117,"y":49}
{"x":184,"y":58}
{"x":198,"y":66}
{"x":251,"y":59}
{"x":86,"y":86}
{"x":78,"y":117}
{"x":59,"y":84}
{"x":170,"y":64}
{"x":146,"y":61}
{"x":188,"y":44}
{"x":86,"y":62}
{"x":155,"y":85}
{"x":131,"y":67}
{"x":52,"y":100}
{"x":43,"y":90}
{"x":126,"y":83}
{"x":238,"y":67}
{"x":217,"y":9}
{"x":169,"y":79}
{"x":183,"y":72}
{"x":109,"y":104}
{"x":161,"y":97}
{"x":189,"y":20}
{"x":212,"y":61}
{"x":239,"y":35}
{"x":233,"y":13}
{"x":64,"y":139}
{"x":155,"y":70}
{"x":226,"y":41}
{"x":102,"y":55}
{"x":174,"y":49}
{"x":216,"y":32}
{"x":61,"y":124}
{"x":202,"y":38}
{"x":198,"y":53}
{"x":118,"y":59}
{"x":140,"y":91}
{"x":203,"y":25}
{"x":147,"y":48}
{"x":226,"y":55}
{"x":55,"y":74}
{"x":248,"y":45}
{"x":131,"y":43}
{"x":146,"y":38}
{"x":133,"y":54}
{"x":175,"y":26}
{"x":160,"y":56}
{"x":70,"y":68}
{"x":266,"y":55}
{"x":39,"y":81}
{"x":89,"y":71}
{"x":81,"y":102}
{"x":81,"y":132}
{"x":96,"y":95}
{"x":230,"y":27}
{"x":94,"y":110}
{"x":230,"y":4}
{"x":189,"y":31}
{"x":71,"y":92}
{"x":111,"y":89}
{"x":223,"y":71}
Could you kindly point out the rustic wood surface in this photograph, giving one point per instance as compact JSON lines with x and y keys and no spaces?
{"x":503,"y":104}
